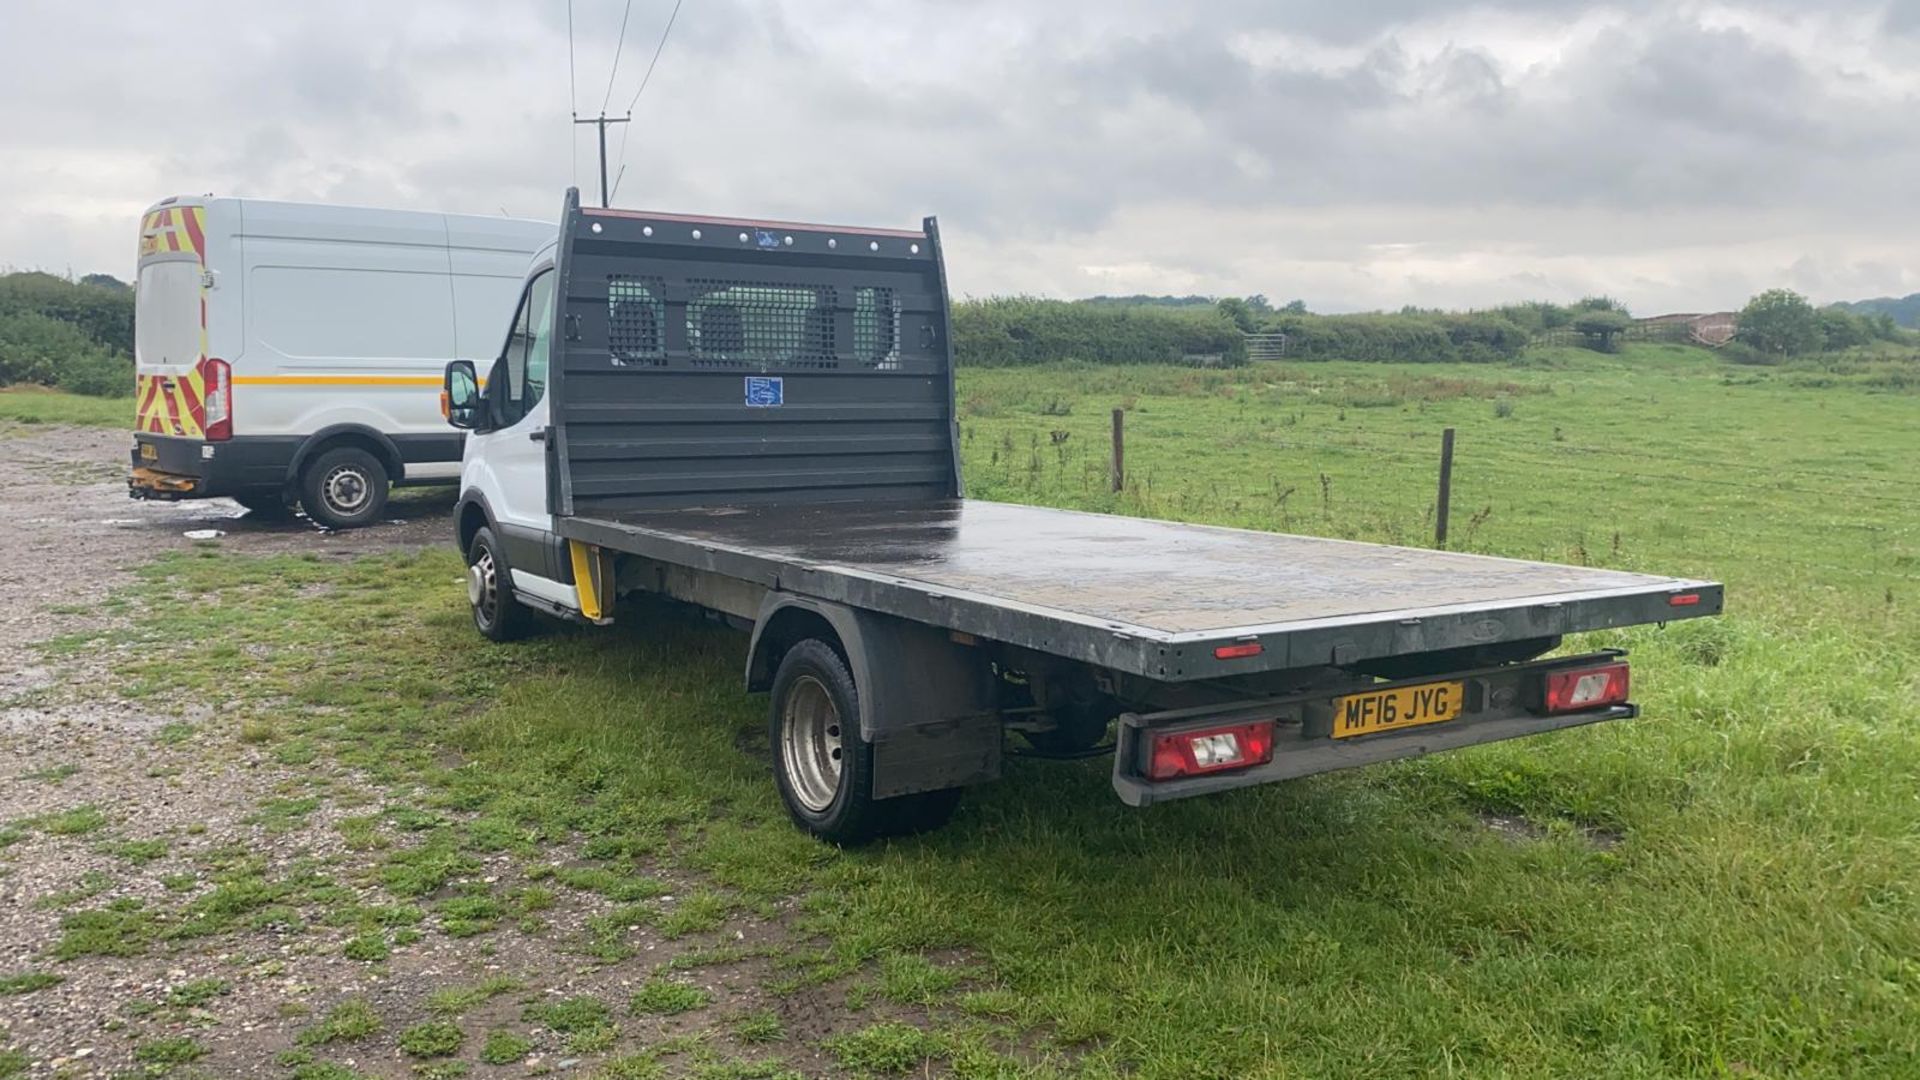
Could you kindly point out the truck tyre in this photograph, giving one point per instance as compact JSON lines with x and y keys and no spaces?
{"x":496,"y":614}
{"x":824,"y":769}
{"x":344,"y":488}
{"x":269,"y":507}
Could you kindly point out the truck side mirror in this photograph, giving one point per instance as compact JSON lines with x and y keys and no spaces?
{"x":460,"y":402}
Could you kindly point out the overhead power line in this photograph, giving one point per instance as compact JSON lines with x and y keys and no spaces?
{"x":644,"y":79}
{"x":573,"y":98}
{"x":619,"y":43}
{"x":656,"y":57}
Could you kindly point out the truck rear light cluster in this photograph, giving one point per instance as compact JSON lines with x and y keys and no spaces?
{"x":216,"y":380}
{"x":1210,"y":750}
{"x":1580,"y":689}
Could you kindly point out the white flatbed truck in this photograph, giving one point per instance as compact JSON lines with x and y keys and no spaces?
{"x":757,"y":418}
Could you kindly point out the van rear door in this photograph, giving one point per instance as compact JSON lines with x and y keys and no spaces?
{"x":170,"y":328}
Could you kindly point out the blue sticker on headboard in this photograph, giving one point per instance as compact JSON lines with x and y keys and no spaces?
{"x":765,"y":238}
{"x":765,"y":392}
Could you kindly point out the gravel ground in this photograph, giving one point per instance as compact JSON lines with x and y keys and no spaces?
{"x":69,"y":536}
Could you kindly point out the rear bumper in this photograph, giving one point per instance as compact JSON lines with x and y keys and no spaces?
{"x":1498,"y":709}
{"x":181,"y":468}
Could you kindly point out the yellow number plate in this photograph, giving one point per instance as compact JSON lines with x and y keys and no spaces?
{"x":1404,"y":707}
{"x":149,"y":452}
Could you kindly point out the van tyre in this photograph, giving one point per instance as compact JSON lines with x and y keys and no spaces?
{"x":496,"y":614}
{"x":344,"y":488}
{"x":822,"y":766}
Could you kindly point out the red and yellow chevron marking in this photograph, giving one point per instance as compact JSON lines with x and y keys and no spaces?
{"x":171,"y":404}
{"x":175,"y":229}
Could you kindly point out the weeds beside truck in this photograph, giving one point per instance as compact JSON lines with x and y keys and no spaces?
{"x":757,"y":418}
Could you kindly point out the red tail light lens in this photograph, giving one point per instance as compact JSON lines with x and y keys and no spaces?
{"x":1211,"y":750}
{"x":1238,"y":650}
{"x":1580,"y":689}
{"x":216,"y":376}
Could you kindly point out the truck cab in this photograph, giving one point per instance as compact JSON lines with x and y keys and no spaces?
{"x":516,"y":561}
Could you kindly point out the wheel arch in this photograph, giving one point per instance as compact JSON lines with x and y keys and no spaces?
{"x":470,"y":515}
{"x":371,"y":440}
{"x":786,"y":620}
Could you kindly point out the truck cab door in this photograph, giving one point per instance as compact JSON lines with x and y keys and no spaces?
{"x":512,"y":456}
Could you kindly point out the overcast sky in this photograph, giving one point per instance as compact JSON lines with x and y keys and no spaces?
{"x":1357,"y":155}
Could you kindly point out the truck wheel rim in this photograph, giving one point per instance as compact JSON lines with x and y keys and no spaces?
{"x":346,"y":489}
{"x":482,"y":590}
{"x":810,"y":743}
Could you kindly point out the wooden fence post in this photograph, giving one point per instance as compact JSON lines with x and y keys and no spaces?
{"x":1119,"y":450}
{"x":1446,"y":489}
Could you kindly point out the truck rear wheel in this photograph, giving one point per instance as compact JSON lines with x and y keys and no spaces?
{"x":496,"y":614}
{"x":823,"y":768}
{"x":344,"y":488}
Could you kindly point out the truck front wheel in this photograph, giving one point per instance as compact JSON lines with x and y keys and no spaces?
{"x":496,"y":614}
{"x":823,"y":767}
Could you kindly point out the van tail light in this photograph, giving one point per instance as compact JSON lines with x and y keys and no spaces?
{"x":216,"y":377}
{"x":1581,"y":689}
{"x":1210,"y":750}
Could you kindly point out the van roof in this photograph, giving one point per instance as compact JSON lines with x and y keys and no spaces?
{"x":338,"y":210}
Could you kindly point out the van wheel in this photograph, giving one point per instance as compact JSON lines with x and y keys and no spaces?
{"x":496,"y":614}
{"x":822,"y":766}
{"x":344,"y":488}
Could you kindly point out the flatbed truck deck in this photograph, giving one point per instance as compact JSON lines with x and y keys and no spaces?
{"x":1153,"y":598}
{"x":757,"y":418}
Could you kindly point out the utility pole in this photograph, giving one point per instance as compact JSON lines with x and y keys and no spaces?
{"x":601,"y":122}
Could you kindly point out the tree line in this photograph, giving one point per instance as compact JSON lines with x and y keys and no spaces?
{"x":78,"y":335}
{"x":1774,"y":325}
{"x":75,"y":335}
{"x":1781,"y":323}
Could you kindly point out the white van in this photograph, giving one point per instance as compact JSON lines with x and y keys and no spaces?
{"x":294,"y":351}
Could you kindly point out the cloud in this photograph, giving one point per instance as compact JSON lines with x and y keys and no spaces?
{"x":1412,"y":151}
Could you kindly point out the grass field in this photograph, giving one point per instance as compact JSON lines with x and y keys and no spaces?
{"x":1724,"y":887}
{"x":38,"y":405}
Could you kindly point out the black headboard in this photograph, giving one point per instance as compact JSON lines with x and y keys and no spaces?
{"x":712,"y":361}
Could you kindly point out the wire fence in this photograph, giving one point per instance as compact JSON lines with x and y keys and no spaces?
{"x":1718,"y":511}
